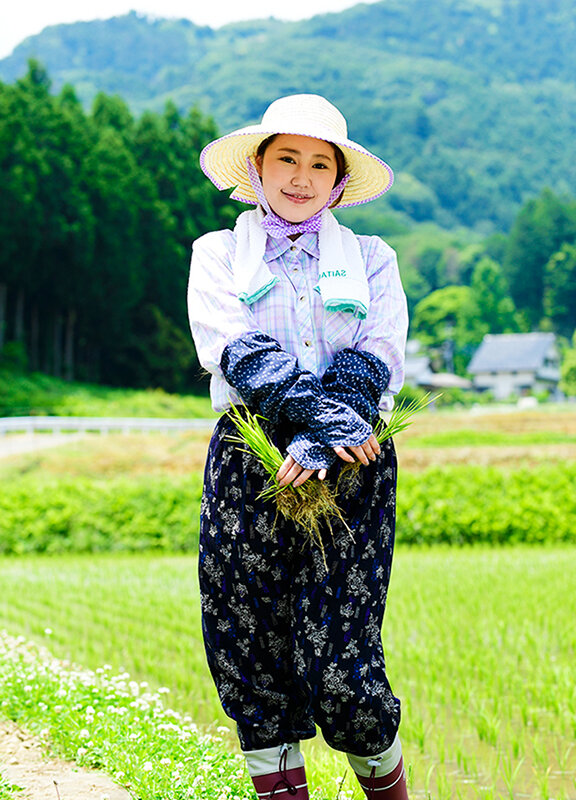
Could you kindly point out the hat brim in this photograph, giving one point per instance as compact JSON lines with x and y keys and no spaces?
{"x":224,"y":162}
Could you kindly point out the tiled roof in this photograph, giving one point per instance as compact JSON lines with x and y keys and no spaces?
{"x":505,"y":352}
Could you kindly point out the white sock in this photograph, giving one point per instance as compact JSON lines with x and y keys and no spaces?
{"x":265,"y":762}
{"x":384,"y":762}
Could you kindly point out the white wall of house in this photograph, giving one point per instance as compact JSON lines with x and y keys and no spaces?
{"x":505,"y":384}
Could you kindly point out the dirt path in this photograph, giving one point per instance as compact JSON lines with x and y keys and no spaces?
{"x":23,"y":763}
{"x":13,"y":444}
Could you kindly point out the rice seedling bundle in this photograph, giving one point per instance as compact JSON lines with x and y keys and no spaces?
{"x":315,"y":503}
{"x":309,"y":505}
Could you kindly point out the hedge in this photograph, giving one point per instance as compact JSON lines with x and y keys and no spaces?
{"x":465,"y":505}
{"x":451,"y":505}
{"x":84,"y":515}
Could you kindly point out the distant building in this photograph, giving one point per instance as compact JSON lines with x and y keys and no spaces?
{"x":418,"y":372}
{"x":509,"y":364}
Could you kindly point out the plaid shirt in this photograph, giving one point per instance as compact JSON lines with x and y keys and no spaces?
{"x":292,"y":311}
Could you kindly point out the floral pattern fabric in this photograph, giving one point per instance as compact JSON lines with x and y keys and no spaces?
{"x":291,"y":644}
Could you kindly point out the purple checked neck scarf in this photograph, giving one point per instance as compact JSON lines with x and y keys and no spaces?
{"x":276,"y":226}
{"x":342,"y":282}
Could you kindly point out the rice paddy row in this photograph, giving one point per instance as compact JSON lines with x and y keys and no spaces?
{"x":480,"y":647}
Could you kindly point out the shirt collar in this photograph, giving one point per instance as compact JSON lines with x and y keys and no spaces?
{"x":278,"y":247}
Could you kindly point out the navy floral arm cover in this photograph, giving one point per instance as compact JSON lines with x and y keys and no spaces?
{"x":355,"y":377}
{"x":270,"y":380}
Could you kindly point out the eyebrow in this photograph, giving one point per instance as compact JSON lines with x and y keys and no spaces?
{"x":299,"y":152}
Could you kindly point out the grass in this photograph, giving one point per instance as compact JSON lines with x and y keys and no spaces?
{"x":7,"y":790}
{"x":483,"y":438}
{"x":480,"y":642}
{"x":512,"y":439}
{"x":40,"y":394}
{"x":480,"y":647}
{"x":110,"y":721}
{"x":114,"y":456}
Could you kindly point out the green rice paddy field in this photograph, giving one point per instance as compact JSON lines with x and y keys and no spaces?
{"x":480,"y":642}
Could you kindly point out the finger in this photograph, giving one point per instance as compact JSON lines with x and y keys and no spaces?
{"x":368,"y":451}
{"x":371,"y":447}
{"x":375,"y":444}
{"x":287,"y":465}
{"x":291,"y":475}
{"x":343,"y":454}
{"x":322,"y":474}
{"x":360,"y":455}
{"x":303,"y":477}
{"x":289,"y":470}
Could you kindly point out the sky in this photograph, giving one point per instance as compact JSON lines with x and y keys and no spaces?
{"x":22,"y":18}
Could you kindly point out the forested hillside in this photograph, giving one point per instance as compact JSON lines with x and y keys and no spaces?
{"x":97,"y":216}
{"x":102,"y":194}
{"x":473,"y":102}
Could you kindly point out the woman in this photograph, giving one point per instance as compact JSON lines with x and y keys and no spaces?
{"x":304,"y":323}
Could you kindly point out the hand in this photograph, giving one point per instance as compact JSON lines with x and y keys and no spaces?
{"x":292,"y":472}
{"x":364,"y":453}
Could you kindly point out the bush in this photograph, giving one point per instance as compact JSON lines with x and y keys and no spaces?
{"x":469,"y":505}
{"x":81,"y":515}
{"x":443,"y":505}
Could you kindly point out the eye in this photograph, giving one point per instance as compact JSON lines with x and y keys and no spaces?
{"x":320,"y":165}
{"x":287,"y":159}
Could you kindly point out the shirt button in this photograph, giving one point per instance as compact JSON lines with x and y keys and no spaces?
{"x":307,"y":342}
{"x":302,"y":297}
{"x":293,"y":248}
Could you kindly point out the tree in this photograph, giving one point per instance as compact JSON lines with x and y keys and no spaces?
{"x":560,"y":290}
{"x":97,"y":217}
{"x":116,"y":281}
{"x":447,"y":324}
{"x":491,"y":303}
{"x":48,"y":217}
{"x":568,"y":370}
{"x":543,"y":225}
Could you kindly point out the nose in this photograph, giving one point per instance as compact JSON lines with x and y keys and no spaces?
{"x":301,"y":175}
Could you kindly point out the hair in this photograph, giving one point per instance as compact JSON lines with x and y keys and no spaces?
{"x":341,"y":168}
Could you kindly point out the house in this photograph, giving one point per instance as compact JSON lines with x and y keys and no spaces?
{"x":416,"y":366}
{"x":418,"y":372}
{"x":508,"y":364}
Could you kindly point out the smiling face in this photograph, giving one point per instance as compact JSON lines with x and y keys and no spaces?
{"x":298,"y":173}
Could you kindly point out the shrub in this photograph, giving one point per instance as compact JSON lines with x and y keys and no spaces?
{"x":443,"y":505}
{"x":468,"y":505}
{"x":82,"y":515}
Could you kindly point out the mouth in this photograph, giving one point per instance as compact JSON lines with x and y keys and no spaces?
{"x":297,"y":197}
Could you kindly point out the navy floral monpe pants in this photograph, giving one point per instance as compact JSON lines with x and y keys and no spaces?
{"x":291,"y":646}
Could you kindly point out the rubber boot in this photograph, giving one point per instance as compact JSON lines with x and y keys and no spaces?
{"x":278,"y":772}
{"x":382,"y":777}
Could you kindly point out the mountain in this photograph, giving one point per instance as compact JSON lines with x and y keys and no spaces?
{"x":472,"y":102}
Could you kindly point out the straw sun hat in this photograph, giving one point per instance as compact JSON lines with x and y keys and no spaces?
{"x":224,"y":160}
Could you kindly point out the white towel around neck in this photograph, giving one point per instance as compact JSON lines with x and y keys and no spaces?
{"x":342,"y":280}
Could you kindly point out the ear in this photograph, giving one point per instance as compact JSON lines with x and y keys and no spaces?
{"x":258,"y":162}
